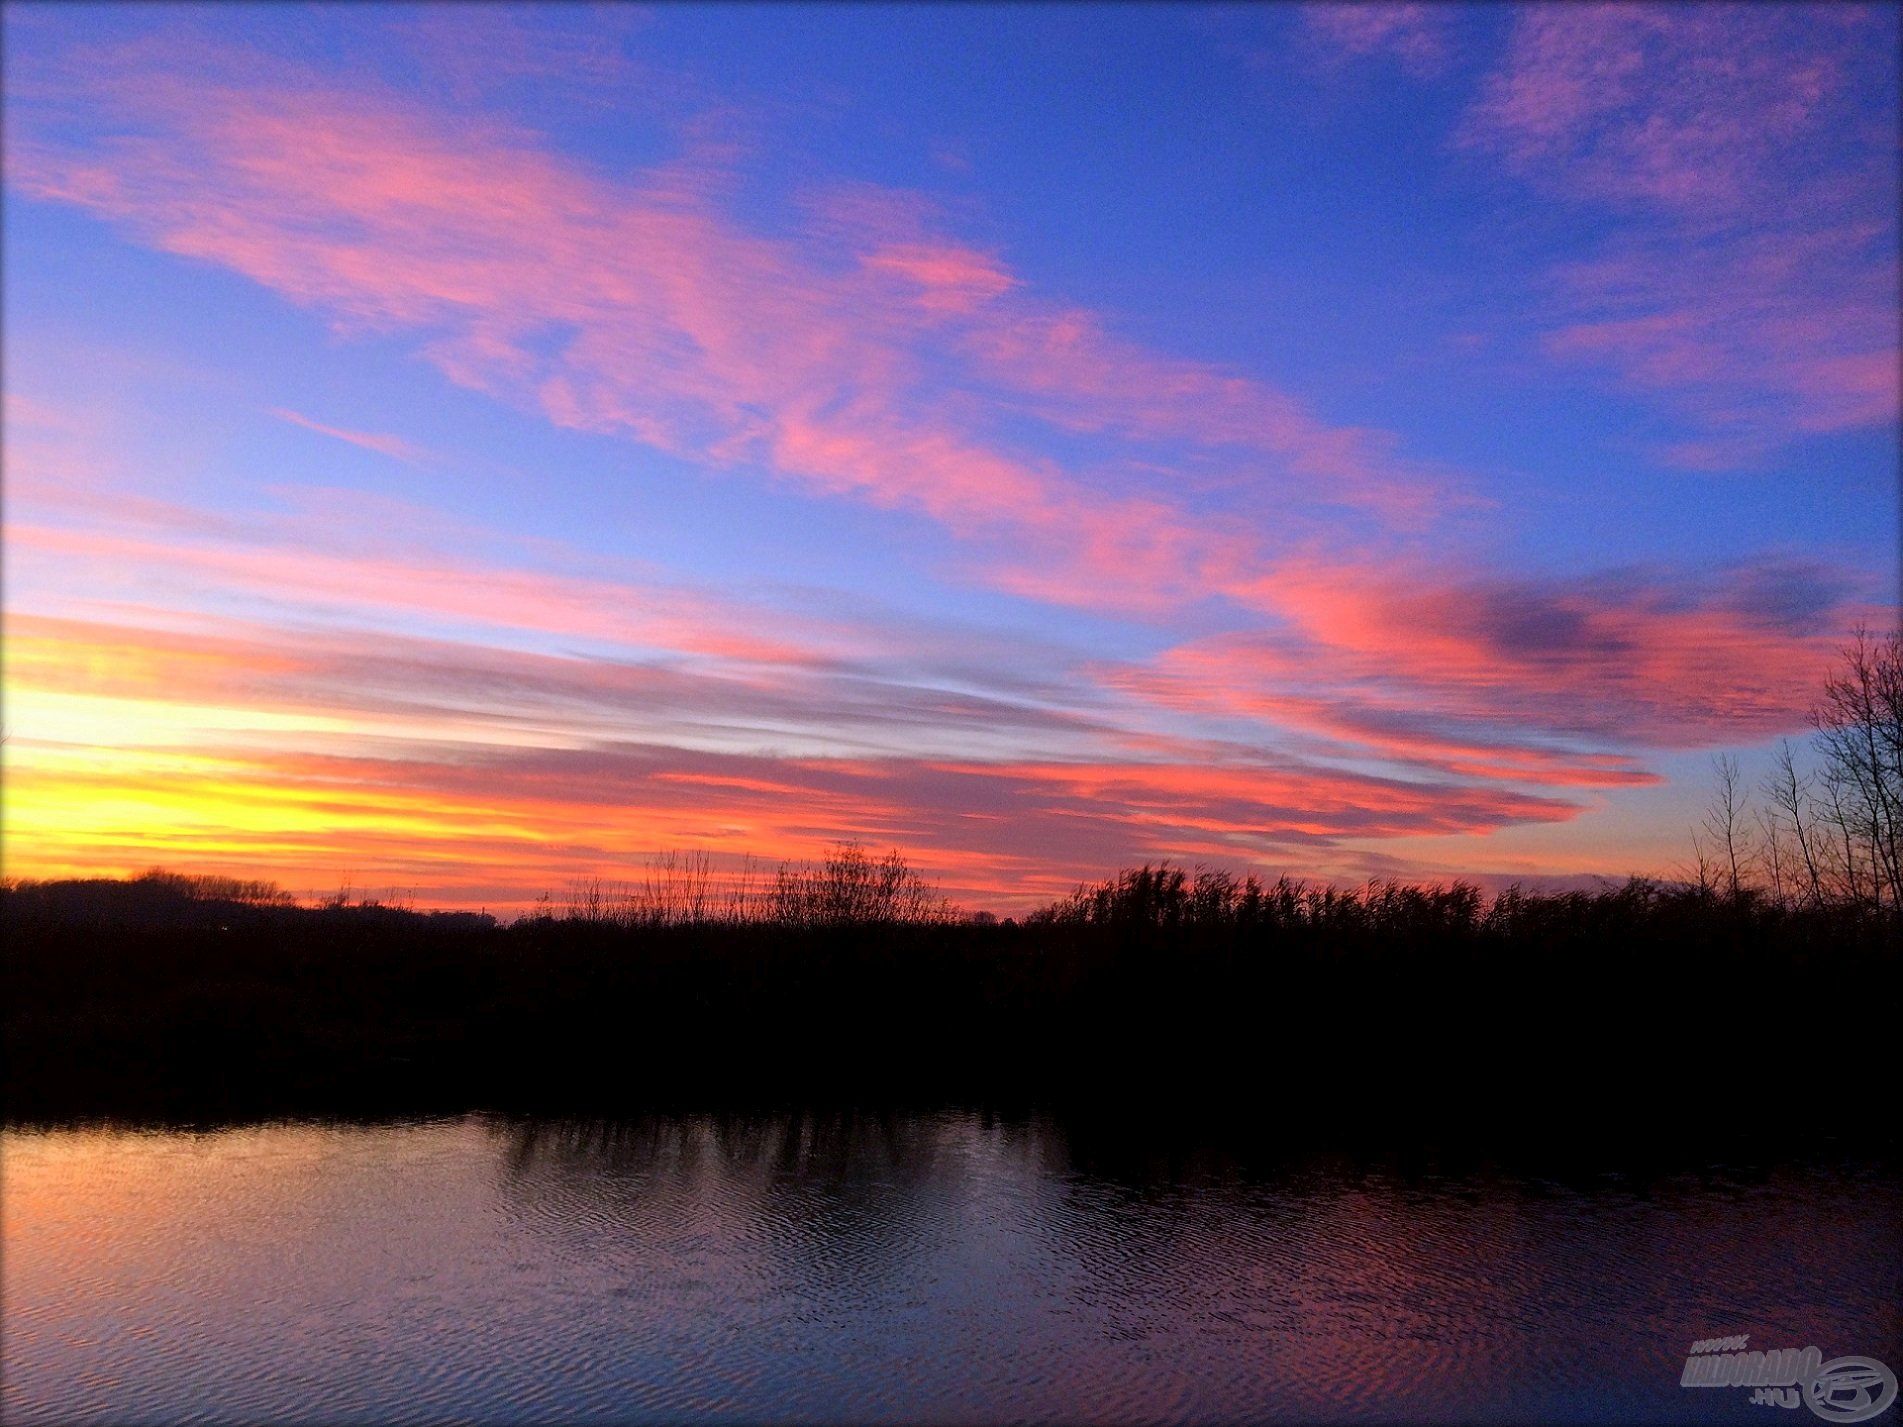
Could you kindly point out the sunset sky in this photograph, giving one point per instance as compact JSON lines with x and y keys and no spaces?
{"x":458,"y":449}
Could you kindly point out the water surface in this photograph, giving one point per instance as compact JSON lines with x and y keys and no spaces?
{"x":941,"y":1267}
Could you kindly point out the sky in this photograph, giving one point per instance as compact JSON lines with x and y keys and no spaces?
{"x":460,"y":450}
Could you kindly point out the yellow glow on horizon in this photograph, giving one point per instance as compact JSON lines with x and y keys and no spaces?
{"x":120,"y":757}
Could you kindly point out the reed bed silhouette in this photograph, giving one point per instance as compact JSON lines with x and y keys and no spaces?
{"x":1185,"y":992}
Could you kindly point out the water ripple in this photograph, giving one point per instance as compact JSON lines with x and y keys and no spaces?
{"x":844,"y":1267}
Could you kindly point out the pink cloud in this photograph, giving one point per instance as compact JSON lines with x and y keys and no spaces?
{"x":1754,"y":282}
{"x":1758,"y":289}
{"x":420,"y":586}
{"x":1414,"y":34}
{"x":718,"y":665}
{"x":868,"y":357}
{"x":388,"y":685}
{"x":632,"y":306}
{"x":1255,"y":679}
{"x":1764,"y":336}
{"x":1636,"y":661}
{"x":394,"y":447}
{"x":432,"y":783}
{"x":1068,"y":368}
{"x":1686,"y":107}
{"x":948,"y":278}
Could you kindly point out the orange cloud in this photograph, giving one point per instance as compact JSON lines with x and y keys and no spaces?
{"x":487,"y":775}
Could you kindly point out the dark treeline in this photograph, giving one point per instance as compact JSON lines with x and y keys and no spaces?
{"x":1673,"y":1004}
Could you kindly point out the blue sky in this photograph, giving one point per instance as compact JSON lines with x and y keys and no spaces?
{"x":1335,"y":439}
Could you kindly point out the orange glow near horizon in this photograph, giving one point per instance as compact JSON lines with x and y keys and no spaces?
{"x":134,"y":748}
{"x":493,"y":471}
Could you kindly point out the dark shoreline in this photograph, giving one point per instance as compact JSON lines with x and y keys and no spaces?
{"x":1666,"y":1013}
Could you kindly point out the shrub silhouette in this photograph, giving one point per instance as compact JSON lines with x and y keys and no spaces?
{"x":1198,"y":988}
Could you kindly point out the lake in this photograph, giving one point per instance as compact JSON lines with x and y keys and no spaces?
{"x":945,"y":1266}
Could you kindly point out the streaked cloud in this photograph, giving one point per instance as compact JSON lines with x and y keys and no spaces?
{"x":1536,"y":682}
{"x":634,"y":306}
{"x":1051,"y":563}
{"x":1756,"y":283}
{"x":395,"y":447}
{"x":444,"y":763}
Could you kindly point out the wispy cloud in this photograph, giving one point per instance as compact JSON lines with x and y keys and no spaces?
{"x":395,"y":447}
{"x":1755,"y":283}
{"x":1415,"y":35}
{"x":376,"y":754}
{"x":1636,"y":658}
{"x":634,"y":306}
{"x":1701,"y":110}
{"x":1285,"y":654}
